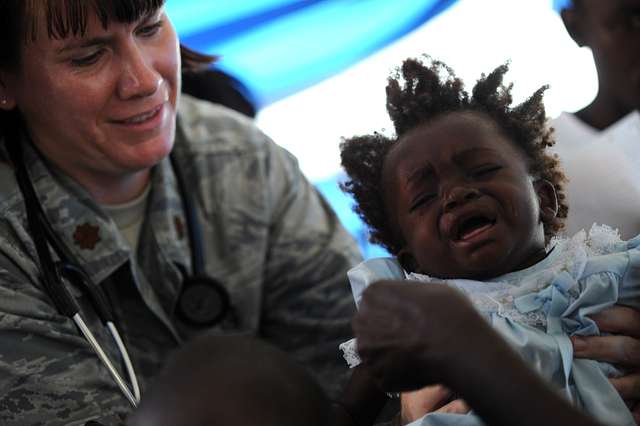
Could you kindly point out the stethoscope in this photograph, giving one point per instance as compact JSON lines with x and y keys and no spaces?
{"x":203,"y":300}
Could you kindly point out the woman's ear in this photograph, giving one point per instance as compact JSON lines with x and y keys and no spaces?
{"x":7,"y":101}
{"x":407,"y":261}
{"x":547,"y":199}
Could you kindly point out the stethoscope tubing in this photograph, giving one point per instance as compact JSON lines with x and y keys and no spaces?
{"x":126,"y":359}
{"x":97,"y":348}
{"x":52,"y":274}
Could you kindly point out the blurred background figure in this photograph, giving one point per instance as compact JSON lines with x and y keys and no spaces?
{"x":315,"y":70}
{"x":219,"y":87}
{"x":598,"y":144}
{"x":232,"y":381}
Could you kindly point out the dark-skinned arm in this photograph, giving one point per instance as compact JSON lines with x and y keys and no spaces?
{"x":500,"y":387}
{"x":621,"y":347}
{"x":361,"y":402}
{"x":411,"y":336}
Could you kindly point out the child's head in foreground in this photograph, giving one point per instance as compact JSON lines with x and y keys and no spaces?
{"x":465,"y":189}
{"x":235,"y":381}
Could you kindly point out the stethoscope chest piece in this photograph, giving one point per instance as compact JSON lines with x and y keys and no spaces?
{"x":203,"y":301}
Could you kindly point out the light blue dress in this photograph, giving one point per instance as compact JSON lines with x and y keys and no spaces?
{"x":538,"y":308}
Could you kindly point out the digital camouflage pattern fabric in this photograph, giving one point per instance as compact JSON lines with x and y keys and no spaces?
{"x":268,"y":237}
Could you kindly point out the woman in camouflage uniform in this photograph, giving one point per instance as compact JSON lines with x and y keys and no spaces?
{"x":90,"y":92}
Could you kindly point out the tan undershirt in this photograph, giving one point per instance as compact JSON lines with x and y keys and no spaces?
{"x":129,"y":217}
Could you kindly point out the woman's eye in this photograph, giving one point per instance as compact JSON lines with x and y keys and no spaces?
{"x":422,"y":200}
{"x":84,"y":61}
{"x":150,"y":30}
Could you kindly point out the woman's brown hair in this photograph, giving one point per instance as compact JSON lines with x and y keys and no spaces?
{"x":20,"y":19}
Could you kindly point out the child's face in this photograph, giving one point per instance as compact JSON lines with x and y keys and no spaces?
{"x":461,"y":198}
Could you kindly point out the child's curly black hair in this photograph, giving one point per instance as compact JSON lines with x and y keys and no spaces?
{"x":420,"y":92}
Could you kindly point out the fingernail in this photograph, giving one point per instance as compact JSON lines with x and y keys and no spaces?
{"x":578,"y":343}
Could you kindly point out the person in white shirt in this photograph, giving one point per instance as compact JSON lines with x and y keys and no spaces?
{"x":598,"y":144}
{"x":599,"y":147}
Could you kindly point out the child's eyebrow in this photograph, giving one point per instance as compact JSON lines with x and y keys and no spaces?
{"x":420,"y":174}
{"x":471,"y":153}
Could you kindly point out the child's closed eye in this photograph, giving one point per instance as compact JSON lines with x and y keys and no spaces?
{"x":484,"y":171}
{"x":422,"y":200}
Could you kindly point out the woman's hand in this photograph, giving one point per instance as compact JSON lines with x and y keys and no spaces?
{"x":622,"y":349}
{"x":410,"y":335}
{"x":436,"y":398}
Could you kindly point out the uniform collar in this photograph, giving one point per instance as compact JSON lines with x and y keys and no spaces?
{"x":166,"y":214}
{"x":90,"y":234}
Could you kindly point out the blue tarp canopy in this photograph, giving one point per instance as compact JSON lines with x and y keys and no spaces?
{"x":278,"y":47}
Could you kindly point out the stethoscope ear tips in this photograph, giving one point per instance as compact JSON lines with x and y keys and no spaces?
{"x":203,"y":301}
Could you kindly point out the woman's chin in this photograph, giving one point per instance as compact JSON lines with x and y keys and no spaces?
{"x":146,"y":156}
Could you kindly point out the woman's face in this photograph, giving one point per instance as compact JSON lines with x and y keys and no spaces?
{"x":103,"y":104}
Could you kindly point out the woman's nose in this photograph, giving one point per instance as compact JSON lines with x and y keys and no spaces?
{"x":139,"y":78}
{"x":458,"y":196}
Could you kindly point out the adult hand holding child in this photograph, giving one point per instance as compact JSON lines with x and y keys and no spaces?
{"x":405,"y":332}
{"x":391,"y":313}
{"x":621,"y":347}
{"x":410,"y":336}
{"x":401,"y":334}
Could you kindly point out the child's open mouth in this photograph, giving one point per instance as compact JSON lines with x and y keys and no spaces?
{"x":471,"y":227}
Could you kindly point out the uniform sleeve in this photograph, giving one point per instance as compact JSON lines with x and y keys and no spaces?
{"x":48,"y":373}
{"x":308,"y":303}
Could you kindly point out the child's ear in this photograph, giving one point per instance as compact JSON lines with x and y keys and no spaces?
{"x":574,"y":23}
{"x":547,"y":199}
{"x":407,"y":261}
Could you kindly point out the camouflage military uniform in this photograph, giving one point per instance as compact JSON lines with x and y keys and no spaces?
{"x":268,"y":236}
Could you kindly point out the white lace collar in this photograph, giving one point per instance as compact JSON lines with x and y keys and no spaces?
{"x":567,"y":254}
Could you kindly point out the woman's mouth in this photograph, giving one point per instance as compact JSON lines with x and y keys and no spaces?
{"x":142,"y":118}
{"x":147,"y":120}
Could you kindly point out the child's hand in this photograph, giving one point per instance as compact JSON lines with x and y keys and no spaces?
{"x":436,"y":398}
{"x":621,"y":348}
{"x":410,"y":336}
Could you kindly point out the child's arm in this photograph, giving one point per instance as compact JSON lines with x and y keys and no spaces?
{"x":361,"y":401}
{"x":410,"y":336}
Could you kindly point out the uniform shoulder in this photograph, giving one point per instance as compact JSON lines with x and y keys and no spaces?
{"x":9,"y":191}
{"x":15,"y":239}
{"x":206,"y":127}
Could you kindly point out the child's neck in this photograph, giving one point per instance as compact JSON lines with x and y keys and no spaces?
{"x":535,"y":257}
{"x":530,"y":260}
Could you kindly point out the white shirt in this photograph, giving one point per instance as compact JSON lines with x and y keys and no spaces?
{"x":603,"y":168}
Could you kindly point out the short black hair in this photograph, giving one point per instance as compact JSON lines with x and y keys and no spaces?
{"x":226,"y":380}
{"x":417,"y":93}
